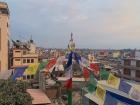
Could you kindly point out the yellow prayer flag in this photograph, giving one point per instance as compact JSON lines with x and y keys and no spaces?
{"x":100,"y":92}
{"x":31,"y":70}
{"x":113,"y":81}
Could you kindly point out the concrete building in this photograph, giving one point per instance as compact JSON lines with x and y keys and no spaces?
{"x":131,"y":69}
{"x":24,"y":54}
{"x":116,"y":54}
{"x":4,"y":36}
{"x":129,"y":53}
{"x":56,"y":53}
{"x":137,"y":54}
{"x":102,"y":53}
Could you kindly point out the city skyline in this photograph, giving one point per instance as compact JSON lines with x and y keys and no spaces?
{"x":94,"y":23}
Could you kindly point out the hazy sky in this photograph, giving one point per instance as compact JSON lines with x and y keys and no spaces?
{"x":94,"y":23}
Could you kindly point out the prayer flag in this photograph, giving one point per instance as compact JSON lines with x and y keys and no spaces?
{"x":104,"y":74}
{"x":113,"y":81}
{"x":100,"y":92}
{"x":109,"y":100}
{"x":50,"y":64}
{"x":84,"y":62}
{"x":92,"y":84}
{"x":42,"y":65}
{"x":135,"y":93}
{"x":69,"y":73}
{"x":69,"y":97}
{"x":95,"y":68}
{"x":124,"y":86}
{"x":19,"y":71}
{"x":86,"y":73}
{"x":69,"y":84}
{"x":77,"y":58}
{"x":31,"y":70}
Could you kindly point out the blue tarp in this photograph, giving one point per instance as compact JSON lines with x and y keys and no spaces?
{"x":18,"y":72}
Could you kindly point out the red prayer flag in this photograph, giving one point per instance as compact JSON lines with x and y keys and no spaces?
{"x":50,"y":64}
{"x":95,"y":68}
{"x":69,"y":84}
{"x":86,"y":73}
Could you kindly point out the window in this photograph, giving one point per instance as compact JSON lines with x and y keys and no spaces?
{"x":24,"y":52}
{"x":127,"y":62}
{"x":28,"y":60}
{"x":24,"y":77}
{"x":32,"y":76}
{"x":138,"y":73}
{"x":133,"y":62}
{"x":17,"y":51}
{"x":127,"y":71}
{"x":17,"y":59}
{"x":32,"y":60}
{"x":7,"y":25}
{"x":138,"y":63}
{"x":28,"y":76}
{"x":4,"y":11}
{"x":24,"y":60}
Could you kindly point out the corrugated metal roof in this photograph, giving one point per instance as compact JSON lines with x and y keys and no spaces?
{"x":39,"y":97}
{"x":73,"y":79}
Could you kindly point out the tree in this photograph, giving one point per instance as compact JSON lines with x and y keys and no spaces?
{"x":14,"y":93}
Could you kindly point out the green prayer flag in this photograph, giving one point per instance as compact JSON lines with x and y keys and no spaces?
{"x":69,"y":97}
{"x":42,"y":65}
{"x":91,"y":88}
{"x":104,"y":74}
{"x":92,"y":84}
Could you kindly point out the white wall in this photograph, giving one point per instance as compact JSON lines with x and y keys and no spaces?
{"x":133,"y":62}
{"x":137,"y":54}
{"x":133,"y":73}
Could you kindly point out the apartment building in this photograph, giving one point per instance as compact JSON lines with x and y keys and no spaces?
{"x":131,"y":69}
{"x":23,"y":54}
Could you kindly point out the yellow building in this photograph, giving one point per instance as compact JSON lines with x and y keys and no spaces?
{"x":24,"y":54}
{"x":4,"y":35}
{"x":116,"y":54}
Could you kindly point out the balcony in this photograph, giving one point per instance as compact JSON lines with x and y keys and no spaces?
{"x":129,"y":77}
{"x":4,"y":11}
{"x":130,"y":67}
{"x":30,"y":55}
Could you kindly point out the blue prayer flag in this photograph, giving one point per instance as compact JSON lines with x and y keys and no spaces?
{"x":69,"y":63}
{"x":77,"y":58}
{"x":124,"y":86}
{"x":19,"y":72}
{"x":109,"y":100}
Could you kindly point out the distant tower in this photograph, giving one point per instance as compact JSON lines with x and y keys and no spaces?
{"x":71,"y":45}
{"x":32,"y":46}
{"x":4,"y":36}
